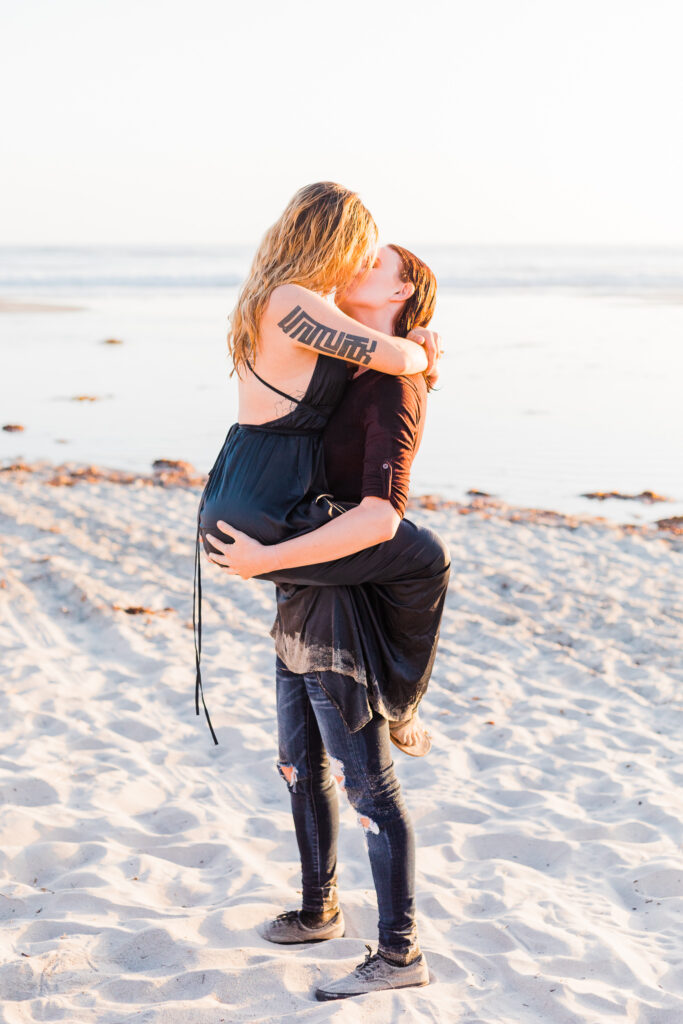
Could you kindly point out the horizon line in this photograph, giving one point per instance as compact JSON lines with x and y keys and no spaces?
{"x":253,"y":244}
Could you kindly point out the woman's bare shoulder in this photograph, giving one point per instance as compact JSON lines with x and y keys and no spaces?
{"x":285,"y":296}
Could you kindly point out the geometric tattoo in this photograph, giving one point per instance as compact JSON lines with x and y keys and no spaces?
{"x":300,"y":325}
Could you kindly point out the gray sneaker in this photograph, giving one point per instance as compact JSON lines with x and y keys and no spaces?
{"x":288,"y":928}
{"x":375,"y":974}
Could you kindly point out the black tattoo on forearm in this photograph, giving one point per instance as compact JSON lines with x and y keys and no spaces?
{"x":300,"y":325}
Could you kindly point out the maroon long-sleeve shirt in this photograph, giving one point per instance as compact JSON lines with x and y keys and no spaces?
{"x":367,"y":644}
{"x":373,"y":435}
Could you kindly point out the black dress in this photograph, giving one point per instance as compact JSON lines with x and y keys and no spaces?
{"x":266,"y":479}
{"x":269,"y":481}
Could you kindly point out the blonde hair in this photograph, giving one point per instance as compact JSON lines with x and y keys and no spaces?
{"x":322,"y":240}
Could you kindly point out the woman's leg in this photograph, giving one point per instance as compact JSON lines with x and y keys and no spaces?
{"x":303,"y":764}
{"x":363,"y":765}
{"x":375,"y":615}
{"x":415,"y":553}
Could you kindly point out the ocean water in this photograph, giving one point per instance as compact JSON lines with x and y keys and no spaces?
{"x":562,"y":371}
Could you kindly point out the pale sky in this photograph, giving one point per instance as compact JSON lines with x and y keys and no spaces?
{"x":461,"y":121}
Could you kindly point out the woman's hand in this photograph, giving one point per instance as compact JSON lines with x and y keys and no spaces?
{"x":246,"y":557}
{"x":431,"y":341}
{"x":371,"y":522}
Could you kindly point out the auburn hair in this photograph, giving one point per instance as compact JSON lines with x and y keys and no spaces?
{"x":418,"y":310}
{"x":323,"y":240}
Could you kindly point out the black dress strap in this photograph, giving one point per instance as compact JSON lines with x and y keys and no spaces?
{"x":272,"y":387}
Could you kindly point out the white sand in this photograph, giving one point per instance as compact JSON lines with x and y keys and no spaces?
{"x":137,"y":858}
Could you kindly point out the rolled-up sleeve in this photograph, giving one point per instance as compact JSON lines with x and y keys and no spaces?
{"x":392,"y":427}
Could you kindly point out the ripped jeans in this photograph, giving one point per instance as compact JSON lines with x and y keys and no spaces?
{"x":315,"y":748}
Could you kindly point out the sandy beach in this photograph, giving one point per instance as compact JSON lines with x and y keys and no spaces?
{"x":169,"y":166}
{"x":138,"y":859}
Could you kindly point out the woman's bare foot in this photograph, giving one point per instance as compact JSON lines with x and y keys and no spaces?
{"x":408,"y":732}
{"x":411,"y":736}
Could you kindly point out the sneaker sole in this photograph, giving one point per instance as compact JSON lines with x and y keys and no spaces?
{"x":322,"y":996}
{"x":303,"y":941}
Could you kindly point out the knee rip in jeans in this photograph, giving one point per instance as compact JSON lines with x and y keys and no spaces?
{"x":368,"y":824}
{"x":289,"y":773}
{"x":337,"y":769}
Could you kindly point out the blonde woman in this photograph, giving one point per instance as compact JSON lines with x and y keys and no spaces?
{"x":293,"y":349}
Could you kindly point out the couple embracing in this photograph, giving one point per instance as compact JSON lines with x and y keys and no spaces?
{"x":334,"y":361}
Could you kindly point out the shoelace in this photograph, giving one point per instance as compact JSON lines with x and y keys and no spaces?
{"x":370,"y":959}
{"x":373,"y":958}
{"x":289,"y":915}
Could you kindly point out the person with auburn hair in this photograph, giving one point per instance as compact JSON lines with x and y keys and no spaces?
{"x":379,"y":423}
{"x":348,"y":658}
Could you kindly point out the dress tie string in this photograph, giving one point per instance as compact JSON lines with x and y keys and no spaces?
{"x":197,"y":630}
